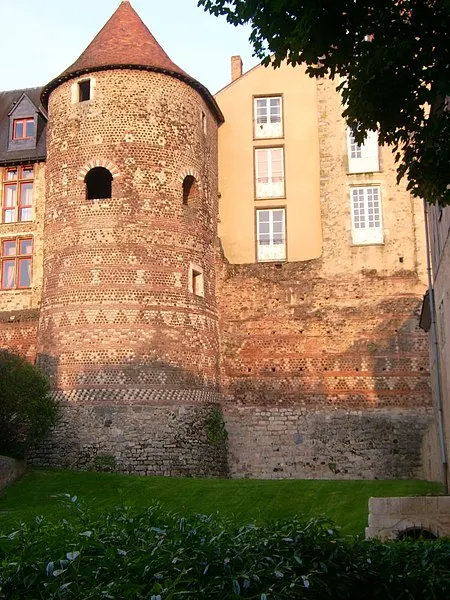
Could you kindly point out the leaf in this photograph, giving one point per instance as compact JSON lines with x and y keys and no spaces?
{"x":58,"y":572}
{"x":72,"y":555}
{"x":279,"y":574}
{"x":50,"y":568}
{"x":236,"y":588}
{"x":86,"y":533}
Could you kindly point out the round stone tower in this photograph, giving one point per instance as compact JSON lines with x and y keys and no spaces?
{"x":128,"y":330}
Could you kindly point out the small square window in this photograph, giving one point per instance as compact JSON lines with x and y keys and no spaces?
{"x":84,"y":90}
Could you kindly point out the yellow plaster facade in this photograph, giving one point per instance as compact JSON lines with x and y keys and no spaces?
{"x":237,"y":143}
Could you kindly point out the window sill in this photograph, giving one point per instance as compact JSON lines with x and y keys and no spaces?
{"x":364,"y":244}
{"x":271,"y":198}
{"x":269,"y":138}
{"x":363,"y":172}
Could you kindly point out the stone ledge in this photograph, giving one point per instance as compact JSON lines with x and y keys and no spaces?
{"x":10,"y":470}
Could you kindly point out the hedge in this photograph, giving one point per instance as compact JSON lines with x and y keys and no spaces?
{"x":160,"y":556}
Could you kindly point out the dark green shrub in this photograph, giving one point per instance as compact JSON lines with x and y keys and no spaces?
{"x":163,"y":556}
{"x":27,"y":409}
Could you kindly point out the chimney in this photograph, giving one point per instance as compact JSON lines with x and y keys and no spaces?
{"x":236,"y":67}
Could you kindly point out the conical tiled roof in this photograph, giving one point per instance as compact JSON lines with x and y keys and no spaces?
{"x":125,"y":42}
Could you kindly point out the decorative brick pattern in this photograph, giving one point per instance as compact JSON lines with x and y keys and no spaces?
{"x":18,"y":332}
{"x":117,"y":316}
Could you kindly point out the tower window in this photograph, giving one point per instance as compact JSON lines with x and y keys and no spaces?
{"x":190,"y":190}
{"x":196,"y":282}
{"x":84,"y":90}
{"x":204,"y":123}
{"x":98,"y":184}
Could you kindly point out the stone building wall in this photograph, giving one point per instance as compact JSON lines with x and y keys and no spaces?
{"x":324,"y":368}
{"x":25,"y":299}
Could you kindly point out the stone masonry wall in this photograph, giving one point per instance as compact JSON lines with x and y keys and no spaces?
{"x":144,"y":440}
{"x":323,"y":377}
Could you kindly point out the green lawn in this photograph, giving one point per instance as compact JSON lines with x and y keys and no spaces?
{"x":245,"y":500}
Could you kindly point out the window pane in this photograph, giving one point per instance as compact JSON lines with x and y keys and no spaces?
{"x":10,"y":195}
{"x":264,"y":227}
{"x":8,"y":274}
{"x":25,"y":246}
{"x":9,"y":248}
{"x":30,"y":128}
{"x":275,"y":110}
{"x":263,"y":216}
{"x":25,"y":272}
{"x":27,"y":173}
{"x":262,"y":165}
{"x":25,"y":214}
{"x":9,"y":216}
{"x":18,"y":129}
{"x":26,"y":194}
{"x":11,"y":174}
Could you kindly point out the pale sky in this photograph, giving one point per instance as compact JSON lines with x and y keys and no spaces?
{"x":44,"y":37}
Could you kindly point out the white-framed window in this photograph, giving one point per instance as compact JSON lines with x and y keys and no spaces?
{"x":269,"y":172}
{"x":367,"y":226}
{"x":363,"y":158}
{"x":268,"y":117}
{"x":270,"y":234}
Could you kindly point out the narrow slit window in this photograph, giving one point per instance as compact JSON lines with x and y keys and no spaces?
{"x":196,"y":281}
{"x":98,"y":184}
{"x":84,"y":90}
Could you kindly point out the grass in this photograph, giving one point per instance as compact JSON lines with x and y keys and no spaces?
{"x":245,"y":500}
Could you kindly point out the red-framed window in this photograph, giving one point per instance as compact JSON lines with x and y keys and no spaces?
{"x":16,"y":259}
{"x":17,"y":194}
{"x":23,"y":129}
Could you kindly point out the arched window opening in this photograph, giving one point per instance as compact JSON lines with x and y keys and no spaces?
{"x":98,"y":184}
{"x":415,"y":534}
{"x":190,"y":190}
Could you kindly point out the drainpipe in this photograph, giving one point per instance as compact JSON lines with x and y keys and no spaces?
{"x":435,"y":351}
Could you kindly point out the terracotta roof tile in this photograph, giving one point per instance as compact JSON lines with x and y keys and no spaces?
{"x":126,"y":42}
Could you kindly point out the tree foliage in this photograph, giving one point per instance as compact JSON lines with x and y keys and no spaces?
{"x":27,"y":409}
{"x":392,"y":62}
